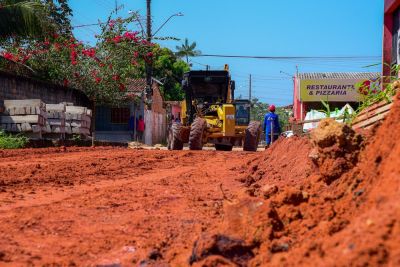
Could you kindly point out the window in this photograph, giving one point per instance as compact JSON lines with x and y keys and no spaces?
{"x":396,"y":39}
{"x":120,"y":115}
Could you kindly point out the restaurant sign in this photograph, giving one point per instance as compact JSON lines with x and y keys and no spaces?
{"x":332,"y":90}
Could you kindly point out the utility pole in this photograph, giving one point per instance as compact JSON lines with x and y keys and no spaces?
{"x":149,"y":67}
{"x":251,"y":103}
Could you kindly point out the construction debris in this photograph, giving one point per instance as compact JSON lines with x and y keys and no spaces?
{"x":26,"y":116}
{"x":55,"y":124}
{"x":38,"y":120}
{"x":78,"y":120}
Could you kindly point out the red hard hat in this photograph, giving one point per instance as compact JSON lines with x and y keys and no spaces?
{"x":272,"y":108}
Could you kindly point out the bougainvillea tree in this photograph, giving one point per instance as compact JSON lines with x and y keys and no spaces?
{"x":102,"y":72}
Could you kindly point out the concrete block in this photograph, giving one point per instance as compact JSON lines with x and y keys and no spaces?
{"x":75,"y":110}
{"x":57,"y":129}
{"x":55,"y":107}
{"x":71,"y":116}
{"x":68,"y":129}
{"x":24,"y":103}
{"x":26,"y":127}
{"x":67,"y":103}
{"x":21,"y":119}
{"x":55,"y":122}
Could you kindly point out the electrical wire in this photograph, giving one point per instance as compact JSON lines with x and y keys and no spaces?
{"x":292,"y":57}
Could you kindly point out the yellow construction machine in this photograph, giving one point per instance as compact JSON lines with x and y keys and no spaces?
{"x":210,"y":115}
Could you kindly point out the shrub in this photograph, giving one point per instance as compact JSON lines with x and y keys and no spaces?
{"x":8,"y":141}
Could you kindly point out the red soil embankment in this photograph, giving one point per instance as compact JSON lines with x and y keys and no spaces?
{"x":330,"y":205}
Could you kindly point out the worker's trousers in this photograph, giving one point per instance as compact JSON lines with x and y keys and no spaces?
{"x":268,"y":138}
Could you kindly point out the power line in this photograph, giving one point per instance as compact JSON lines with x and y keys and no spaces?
{"x":292,"y":57}
{"x":88,"y":25}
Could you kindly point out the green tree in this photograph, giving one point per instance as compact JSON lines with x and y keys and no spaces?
{"x":23,"y":19}
{"x":258,"y":110}
{"x":187,"y":50}
{"x":169,"y":69}
{"x":60,"y":15}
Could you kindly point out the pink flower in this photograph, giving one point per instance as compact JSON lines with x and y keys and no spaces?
{"x":136,"y":54}
{"x":46,"y":42}
{"x":91,"y":52}
{"x":111,"y":23}
{"x":65,"y":82}
{"x":150,"y":54}
{"x":130,"y":35}
{"x":74,"y":56}
{"x":26,"y":58}
{"x":57,"y":47}
{"x":8,"y":55}
{"x":121,"y":87}
{"x":115,"y":77}
{"x":117,"y":39}
{"x":97,"y":79}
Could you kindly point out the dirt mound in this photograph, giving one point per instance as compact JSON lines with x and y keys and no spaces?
{"x":286,"y":162}
{"x":336,"y":149}
{"x":351,"y":217}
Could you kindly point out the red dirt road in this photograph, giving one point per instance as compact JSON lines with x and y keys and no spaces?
{"x":110,"y":206}
{"x":328,"y":200}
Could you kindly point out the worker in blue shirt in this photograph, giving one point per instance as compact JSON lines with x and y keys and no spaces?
{"x":272,"y":128}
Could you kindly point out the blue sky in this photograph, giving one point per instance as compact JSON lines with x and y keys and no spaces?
{"x":260,"y":28}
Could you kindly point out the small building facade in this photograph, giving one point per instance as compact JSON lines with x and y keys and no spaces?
{"x":119,"y":123}
{"x":174,"y":110}
{"x":337,"y":89}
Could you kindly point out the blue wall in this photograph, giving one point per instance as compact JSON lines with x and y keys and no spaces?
{"x":103,"y":118}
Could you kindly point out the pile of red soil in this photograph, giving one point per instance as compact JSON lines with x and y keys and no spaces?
{"x":298,"y":214}
{"x":285,"y":163}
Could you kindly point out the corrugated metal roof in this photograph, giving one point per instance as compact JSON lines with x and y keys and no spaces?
{"x":338,"y":75}
{"x":136,"y":85}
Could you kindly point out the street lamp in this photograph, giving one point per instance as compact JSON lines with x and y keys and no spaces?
{"x":180,"y":14}
{"x":148,"y":66}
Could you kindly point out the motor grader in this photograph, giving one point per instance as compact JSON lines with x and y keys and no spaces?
{"x":209,"y":114}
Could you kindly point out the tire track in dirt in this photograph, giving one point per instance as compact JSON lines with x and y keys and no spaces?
{"x":153,"y":208}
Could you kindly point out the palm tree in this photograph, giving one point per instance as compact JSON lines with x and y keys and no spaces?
{"x":23,"y":18}
{"x":187,"y":50}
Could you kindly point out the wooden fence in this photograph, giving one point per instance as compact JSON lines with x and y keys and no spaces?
{"x":365,"y":120}
{"x":372,"y":115}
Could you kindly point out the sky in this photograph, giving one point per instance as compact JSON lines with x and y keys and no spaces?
{"x":295,"y":28}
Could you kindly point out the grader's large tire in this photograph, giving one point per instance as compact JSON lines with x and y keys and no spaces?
{"x":196,"y":134}
{"x":252,"y":137}
{"x":174,"y":137}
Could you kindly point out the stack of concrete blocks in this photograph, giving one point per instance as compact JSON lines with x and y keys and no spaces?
{"x":78,"y":121}
{"x":55,"y":124}
{"x":24,"y":116}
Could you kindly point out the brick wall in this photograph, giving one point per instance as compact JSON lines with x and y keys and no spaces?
{"x":158,"y":101}
{"x":17,"y":87}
